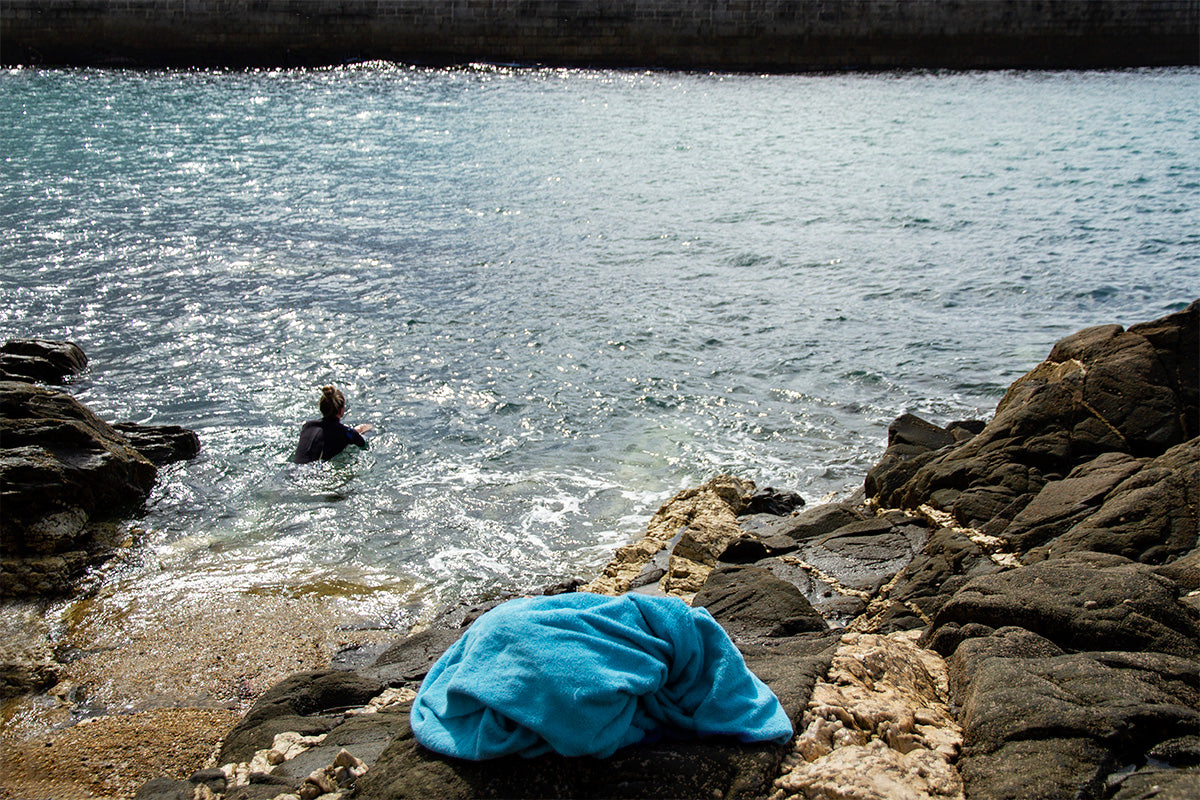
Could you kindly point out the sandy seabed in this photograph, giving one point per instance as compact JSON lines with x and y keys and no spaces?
{"x":165,"y":685}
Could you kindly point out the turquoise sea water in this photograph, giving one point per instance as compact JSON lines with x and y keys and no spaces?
{"x":560,"y":295}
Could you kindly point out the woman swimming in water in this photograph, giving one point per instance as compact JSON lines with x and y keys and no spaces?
{"x":322,"y":439}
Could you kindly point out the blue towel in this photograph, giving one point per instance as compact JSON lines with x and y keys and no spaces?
{"x":584,"y":674}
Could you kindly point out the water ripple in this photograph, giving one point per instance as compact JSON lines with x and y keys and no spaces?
{"x":561,"y":295}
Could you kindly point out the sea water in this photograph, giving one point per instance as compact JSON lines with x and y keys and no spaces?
{"x":560,"y":296}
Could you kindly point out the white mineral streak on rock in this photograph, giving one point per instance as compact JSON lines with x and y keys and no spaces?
{"x":391,"y":696}
{"x":992,"y":546}
{"x":877,"y":728}
{"x":834,"y":583}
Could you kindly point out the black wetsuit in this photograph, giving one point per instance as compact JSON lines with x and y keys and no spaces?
{"x":322,"y":439}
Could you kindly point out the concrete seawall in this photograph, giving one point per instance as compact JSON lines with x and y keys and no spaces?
{"x":735,"y":35}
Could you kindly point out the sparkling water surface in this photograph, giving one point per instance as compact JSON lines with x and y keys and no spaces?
{"x":560,"y":296}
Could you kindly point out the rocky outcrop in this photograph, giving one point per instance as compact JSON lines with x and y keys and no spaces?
{"x":682,"y":542}
{"x":1062,"y":585}
{"x":1105,"y":390}
{"x":62,"y":470}
{"x":65,"y":473}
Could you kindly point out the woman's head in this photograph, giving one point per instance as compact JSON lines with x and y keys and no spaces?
{"x":333,"y":402}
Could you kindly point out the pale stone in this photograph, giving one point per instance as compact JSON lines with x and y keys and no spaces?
{"x":322,"y":780}
{"x":877,"y":728}
{"x":394,"y":695}
{"x":708,"y":512}
{"x":292,"y":744}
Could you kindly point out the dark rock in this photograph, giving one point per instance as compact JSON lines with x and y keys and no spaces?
{"x":57,"y":455}
{"x":408,"y":660}
{"x":45,"y":576}
{"x":947,"y":561}
{"x":165,"y":789}
{"x":751,"y":604}
{"x":773,"y":502}
{"x":893,"y":472}
{"x":285,"y":781}
{"x":962,"y":430}
{"x":945,"y":639}
{"x":1159,"y":784}
{"x":407,"y":770}
{"x":1053,"y":727}
{"x":1081,"y":602}
{"x":750,"y":547}
{"x":833,"y":606}
{"x":911,"y":430}
{"x":1184,"y":571}
{"x":213,"y":778}
{"x":40,"y":360}
{"x":647,"y":580}
{"x":814,"y":522}
{"x":1061,"y":504}
{"x":161,"y":444}
{"x":792,"y":666}
{"x":866,"y":554}
{"x":62,"y":469}
{"x":1150,"y":516}
{"x":308,"y":703}
{"x":1102,"y":390}
{"x":564,"y":587}
{"x":1181,"y":752}
{"x":912,"y":443}
{"x":1010,"y":642}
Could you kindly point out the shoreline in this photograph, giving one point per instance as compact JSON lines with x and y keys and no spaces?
{"x":1014,"y":554}
{"x":719,"y":35}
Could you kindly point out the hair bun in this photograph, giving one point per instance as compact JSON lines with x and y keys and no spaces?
{"x":332,"y":401}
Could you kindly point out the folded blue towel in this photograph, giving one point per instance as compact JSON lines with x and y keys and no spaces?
{"x":584,"y":674}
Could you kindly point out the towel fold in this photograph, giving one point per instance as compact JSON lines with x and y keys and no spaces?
{"x":584,"y":674}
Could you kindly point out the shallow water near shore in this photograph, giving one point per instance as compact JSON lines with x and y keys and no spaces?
{"x":559,"y":295}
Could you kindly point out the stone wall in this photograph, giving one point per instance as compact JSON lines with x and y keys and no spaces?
{"x":736,"y":35}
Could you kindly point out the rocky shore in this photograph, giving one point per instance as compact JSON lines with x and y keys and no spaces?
{"x":1009,"y":608}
